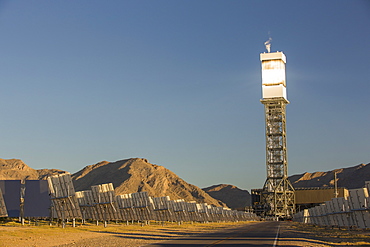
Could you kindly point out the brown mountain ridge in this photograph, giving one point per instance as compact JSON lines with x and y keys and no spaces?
{"x":15,"y":169}
{"x":136,"y":175}
{"x":234,"y":197}
{"x":128,"y":176}
{"x":350,"y":178}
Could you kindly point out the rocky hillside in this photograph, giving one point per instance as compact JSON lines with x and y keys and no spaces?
{"x":136,"y":175}
{"x":350,"y":178}
{"x":234,"y":197}
{"x":15,"y":169}
{"x":127,"y":176}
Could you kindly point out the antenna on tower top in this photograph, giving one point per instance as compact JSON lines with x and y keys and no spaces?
{"x":268,"y":44}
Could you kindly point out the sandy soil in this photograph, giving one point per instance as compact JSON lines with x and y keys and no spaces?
{"x":291,"y":234}
{"x":297,"y":234}
{"x":91,"y":235}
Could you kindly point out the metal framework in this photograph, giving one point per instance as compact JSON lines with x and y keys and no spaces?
{"x":277,"y":195}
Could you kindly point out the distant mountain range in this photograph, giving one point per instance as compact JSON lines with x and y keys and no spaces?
{"x":127,"y":176}
{"x":350,"y":178}
{"x":17,"y":169}
{"x":137,"y":174}
{"x":234,"y":197}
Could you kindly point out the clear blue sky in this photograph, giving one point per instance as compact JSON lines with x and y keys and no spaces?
{"x":179,"y":83}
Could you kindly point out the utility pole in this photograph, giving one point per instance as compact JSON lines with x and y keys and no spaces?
{"x":335,"y":185}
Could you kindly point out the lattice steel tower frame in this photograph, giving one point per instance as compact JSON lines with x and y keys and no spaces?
{"x":277,"y":196}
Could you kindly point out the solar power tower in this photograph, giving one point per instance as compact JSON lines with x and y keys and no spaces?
{"x":277,"y":196}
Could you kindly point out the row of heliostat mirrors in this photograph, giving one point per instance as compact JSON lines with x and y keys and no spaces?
{"x":3,"y":212}
{"x":101,"y":204}
{"x":28,"y":198}
{"x":353,"y":211}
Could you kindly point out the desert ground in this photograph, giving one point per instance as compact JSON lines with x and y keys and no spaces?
{"x":298,"y":234}
{"x":291,"y":234}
